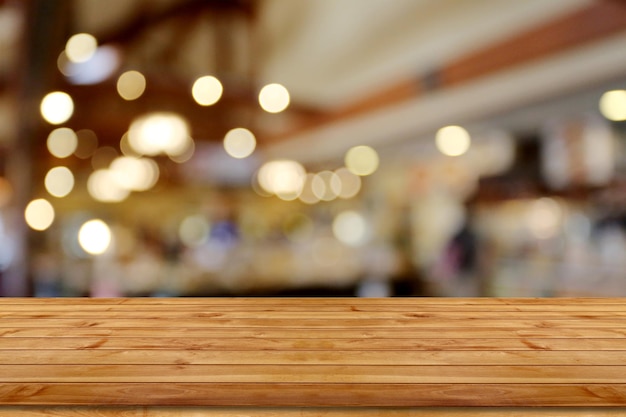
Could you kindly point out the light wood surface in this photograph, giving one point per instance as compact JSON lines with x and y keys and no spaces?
{"x":312,"y":357}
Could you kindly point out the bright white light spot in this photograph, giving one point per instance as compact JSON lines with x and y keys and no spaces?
{"x":59,"y":181}
{"x":103,"y":187}
{"x":350,"y":183}
{"x":351,"y":228}
{"x":362,"y":160}
{"x":57,"y":107}
{"x":157,"y":133}
{"x":94,"y":237}
{"x":239,"y":143}
{"x":193,"y":230}
{"x":207,"y":90}
{"x":613,"y":105}
{"x":544,"y":218}
{"x":452,"y":140}
{"x":39,"y":214}
{"x":62,"y":142}
{"x":274,"y":98}
{"x":134,"y":174}
{"x":81,"y":47}
{"x":131,"y":85}
{"x":284,"y":178}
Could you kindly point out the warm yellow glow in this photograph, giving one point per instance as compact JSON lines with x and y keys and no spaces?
{"x":326,"y":185}
{"x":284,"y":178}
{"x":351,"y":228}
{"x":81,"y":47}
{"x":134,"y":174}
{"x":62,"y":142}
{"x":57,"y":107}
{"x":613,"y":105}
{"x":193,"y":230}
{"x":452,"y":140}
{"x":131,"y":85}
{"x":362,"y":160}
{"x":207,"y":90}
{"x":87,"y":143}
{"x":274,"y":98}
{"x":239,"y":143}
{"x":157,"y":133}
{"x":59,"y":181}
{"x":350,"y":183}
{"x":94,"y":237}
{"x":544,"y":218}
{"x":39,"y":214}
{"x":103,"y":187}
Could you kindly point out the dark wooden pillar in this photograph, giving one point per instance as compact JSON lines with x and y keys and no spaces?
{"x":44,"y":32}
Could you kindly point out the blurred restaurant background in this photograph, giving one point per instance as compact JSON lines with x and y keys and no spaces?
{"x":362,"y":148}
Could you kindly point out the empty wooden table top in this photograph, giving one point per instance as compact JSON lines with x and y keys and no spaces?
{"x":317,"y":352}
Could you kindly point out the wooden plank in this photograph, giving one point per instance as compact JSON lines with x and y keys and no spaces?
{"x":307,"y":333}
{"x":375,"y":306}
{"x":319,"y":374}
{"x":280,"y":302}
{"x":496,"y":316}
{"x":316,"y":395}
{"x":311,"y":358}
{"x":419,"y":322}
{"x":78,"y":411}
{"x":254,"y":344}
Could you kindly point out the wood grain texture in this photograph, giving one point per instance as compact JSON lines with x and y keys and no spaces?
{"x":134,"y":356}
{"x":82,"y":411}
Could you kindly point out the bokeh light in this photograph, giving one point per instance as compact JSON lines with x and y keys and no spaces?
{"x":452,"y":140}
{"x":81,"y":47}
{"x":87,"y":143}
{"x":59,"y":181}
{"x":193,"y":230}
{"x":239,"y":142}
{"x":284,"y":178}
{"x":207,"y":90}
{"x":102,"y":157}
{"x":160,"y":132}
{"x":326,"y":185}
{"x":274,"y":98}
{"x":62,"y":142}
{"x":351,"y":228}
{"x":94,"y":237}
{"x":131,"y":85}
{"x":57,"y":107}
{"x":544,"y":218}
{"x":103,"y":187}
{"x":307,"y":195}
{"x":134,"y":174}
{"x":362,"y":160}
{"x":613,"y":105}
{"x":39,"y":214}
{"x":350,"y":183}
